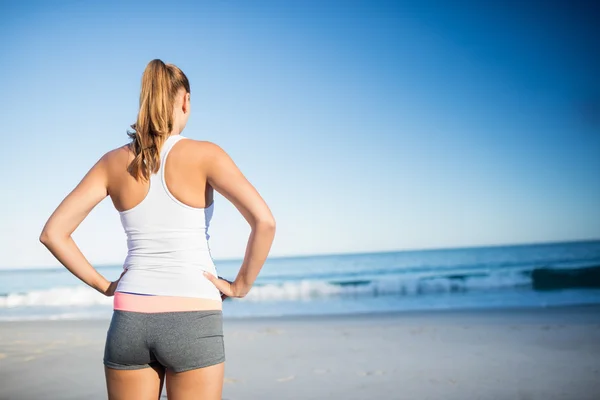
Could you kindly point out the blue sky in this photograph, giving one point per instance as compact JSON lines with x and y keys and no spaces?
{"x":366,"y":126}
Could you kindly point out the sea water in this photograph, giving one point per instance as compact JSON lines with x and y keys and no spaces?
{"x":539,"y":275}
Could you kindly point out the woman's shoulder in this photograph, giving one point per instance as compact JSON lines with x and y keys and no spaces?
{"x":119,"y":156}
{"x":208,"y":155}
{"x":119,"y":153}
{"x":203,"y":144}
{"x":204,"y":148}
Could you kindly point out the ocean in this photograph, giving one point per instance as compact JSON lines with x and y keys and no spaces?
{"x":540,"y":275}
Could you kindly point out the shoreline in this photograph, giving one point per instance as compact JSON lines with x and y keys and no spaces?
{"x":508,"y":353}
{"x":411,"y":313}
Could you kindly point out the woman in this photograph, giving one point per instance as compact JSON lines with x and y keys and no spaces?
{"x":167,"y":318}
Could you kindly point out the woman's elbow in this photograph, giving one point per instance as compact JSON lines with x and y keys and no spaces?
{"x":266,"y":224}
{"x":47,"y":237}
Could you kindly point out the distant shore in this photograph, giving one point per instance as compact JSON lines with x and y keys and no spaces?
{"x":541,"y":353}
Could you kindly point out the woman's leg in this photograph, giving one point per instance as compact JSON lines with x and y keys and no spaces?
{"x":201,"y":383}
{"x":142,"y":384}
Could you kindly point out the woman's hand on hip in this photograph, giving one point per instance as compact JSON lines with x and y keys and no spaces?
{"x":226,"y":287}
{"x":110,"y":290}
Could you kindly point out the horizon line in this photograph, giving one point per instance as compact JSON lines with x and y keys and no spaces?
{"x":347,"y":253}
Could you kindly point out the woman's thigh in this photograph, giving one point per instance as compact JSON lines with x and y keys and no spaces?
{"x":204,"y":383}
{"x":143,"y":384}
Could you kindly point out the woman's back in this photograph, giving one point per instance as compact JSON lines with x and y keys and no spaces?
{"x":184,"y":174}
{"x":166,"y":221}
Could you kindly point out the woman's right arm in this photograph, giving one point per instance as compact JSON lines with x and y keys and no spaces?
{"x":226,"y":178}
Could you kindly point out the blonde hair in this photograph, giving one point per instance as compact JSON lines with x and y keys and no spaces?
{"x":160,"y":84}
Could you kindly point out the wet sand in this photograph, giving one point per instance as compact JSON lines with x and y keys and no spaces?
{"x":523,"y":354}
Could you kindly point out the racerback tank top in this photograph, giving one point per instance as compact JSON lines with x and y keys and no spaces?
{"x":167,"y":242}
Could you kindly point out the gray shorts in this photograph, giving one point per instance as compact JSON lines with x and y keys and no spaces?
{"x":179,"y":341}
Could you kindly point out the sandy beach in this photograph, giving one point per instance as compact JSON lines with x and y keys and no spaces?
{"x":526,"y":354}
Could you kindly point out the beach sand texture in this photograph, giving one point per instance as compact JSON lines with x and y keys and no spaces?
{"x":523,"y":354}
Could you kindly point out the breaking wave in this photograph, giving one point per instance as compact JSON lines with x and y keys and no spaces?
{"x":541,"y":278}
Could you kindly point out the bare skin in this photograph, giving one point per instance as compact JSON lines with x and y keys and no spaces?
{"x":194,"y":169}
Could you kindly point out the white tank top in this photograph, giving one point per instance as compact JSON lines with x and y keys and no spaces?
{"x":167,"y":242}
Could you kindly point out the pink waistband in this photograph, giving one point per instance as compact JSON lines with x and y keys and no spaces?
{"x":154,"y":304}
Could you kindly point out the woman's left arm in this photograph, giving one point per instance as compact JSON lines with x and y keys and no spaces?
{"x":56,"y":235}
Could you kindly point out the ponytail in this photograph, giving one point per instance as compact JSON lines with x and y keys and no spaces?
{"x":160,"y":84}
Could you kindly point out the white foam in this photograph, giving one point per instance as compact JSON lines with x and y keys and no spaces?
{"x":59,"y":296}
{"x":296,"y":290}
{"x":415,"y":285}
